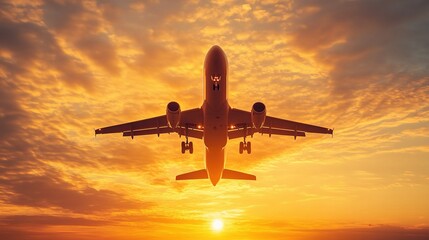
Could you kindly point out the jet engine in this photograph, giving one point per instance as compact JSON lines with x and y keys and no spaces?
{"x":173,"y":114}
{"x":258,"y":114}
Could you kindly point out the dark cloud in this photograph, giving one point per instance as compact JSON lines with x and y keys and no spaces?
{"x":34,"y":227}
{"x":68,"y":17}
{"x":81,"y":27}
{"x":17,"y":220}
{"x":365,"y":42}
{"x":99,"y":49}
{"x":10,"y":111}
{"x":32,"y":47}
{"x":48,"y":190}
{"x":371,"y":233}
{"x":24,"y":233}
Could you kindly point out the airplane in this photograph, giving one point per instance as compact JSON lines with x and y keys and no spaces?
{"x":215,"y":122}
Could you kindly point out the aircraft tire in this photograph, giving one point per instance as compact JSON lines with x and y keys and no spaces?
{"x":183,"y":147}
{"x":191,"y":147}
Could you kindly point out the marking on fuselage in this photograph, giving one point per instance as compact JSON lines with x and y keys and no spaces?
{"x":216,"y":79}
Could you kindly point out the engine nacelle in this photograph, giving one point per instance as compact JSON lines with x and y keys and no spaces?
{"x":173,"y":114}
{"x":258,"y":114}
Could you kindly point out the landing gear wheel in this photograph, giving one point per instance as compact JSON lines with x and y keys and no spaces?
{"x":183,"y":147}
{"x":249,"y":147}
{"x":240,"y":150}
{"x":191,"y":147}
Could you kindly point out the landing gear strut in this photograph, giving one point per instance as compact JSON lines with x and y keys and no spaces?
{"x":187,"y":145}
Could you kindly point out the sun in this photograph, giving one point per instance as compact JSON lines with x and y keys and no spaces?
{"x":217,"y":225}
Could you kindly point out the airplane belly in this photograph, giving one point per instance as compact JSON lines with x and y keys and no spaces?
{"x":216,"y":127}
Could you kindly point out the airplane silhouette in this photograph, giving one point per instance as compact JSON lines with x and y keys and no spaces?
{"x":215,"y":122}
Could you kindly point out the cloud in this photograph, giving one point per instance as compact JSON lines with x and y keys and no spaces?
{"x":80,"y":26}
{"x":18,"y":233}
{"x":10,"y":112}
{"x":364,"y":43}
{"x":67,"y":67}
{"x":28,"y":47}
{"x":49,"y":191}
{"x":372,"y":233}
{"x":35,"y":220}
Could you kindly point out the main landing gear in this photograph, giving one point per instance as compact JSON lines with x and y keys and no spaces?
{"x":187,"y":145}
{"x":245,"y":146}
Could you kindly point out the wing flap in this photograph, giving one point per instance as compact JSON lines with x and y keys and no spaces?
{"x":272,"y":122}
{"x":148,"y":131}
{"x":181,"y":131}
{"x":270,"y":131}
{"x":276,"y":131}
{"x":239,"y":133}
{"x":160,"y":121}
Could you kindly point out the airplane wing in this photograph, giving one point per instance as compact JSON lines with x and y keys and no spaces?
{"x":189,"y":119}
{"x":242,"y":122}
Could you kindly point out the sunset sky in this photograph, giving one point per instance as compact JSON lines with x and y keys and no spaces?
{"x":360,"y":67}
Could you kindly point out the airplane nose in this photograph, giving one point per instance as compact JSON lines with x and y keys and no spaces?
{"x":216,"y":50}
{"x":215,"y":58}
{"x":215,"y":47}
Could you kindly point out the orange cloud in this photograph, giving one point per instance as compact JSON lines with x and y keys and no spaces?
{"x":69,"y":67}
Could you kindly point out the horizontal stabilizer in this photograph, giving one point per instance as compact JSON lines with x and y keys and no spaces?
{"x":231,"y":174}
{"x":199,"y":174}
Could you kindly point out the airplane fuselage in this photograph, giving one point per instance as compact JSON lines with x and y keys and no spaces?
{"x":215,"y":111}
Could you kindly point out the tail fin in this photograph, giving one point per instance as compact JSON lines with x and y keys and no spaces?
{"x":231,"y":174}
{"x":199,"y":174}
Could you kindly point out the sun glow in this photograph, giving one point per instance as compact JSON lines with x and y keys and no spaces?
{"x":217,"y":225}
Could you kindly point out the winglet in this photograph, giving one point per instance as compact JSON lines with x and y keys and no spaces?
{"x":97,"y":131}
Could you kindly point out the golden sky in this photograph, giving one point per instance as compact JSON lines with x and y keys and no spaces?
{"x":67,"y":67}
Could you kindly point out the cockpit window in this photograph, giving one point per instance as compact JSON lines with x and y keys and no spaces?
{"x":216,"y":79}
